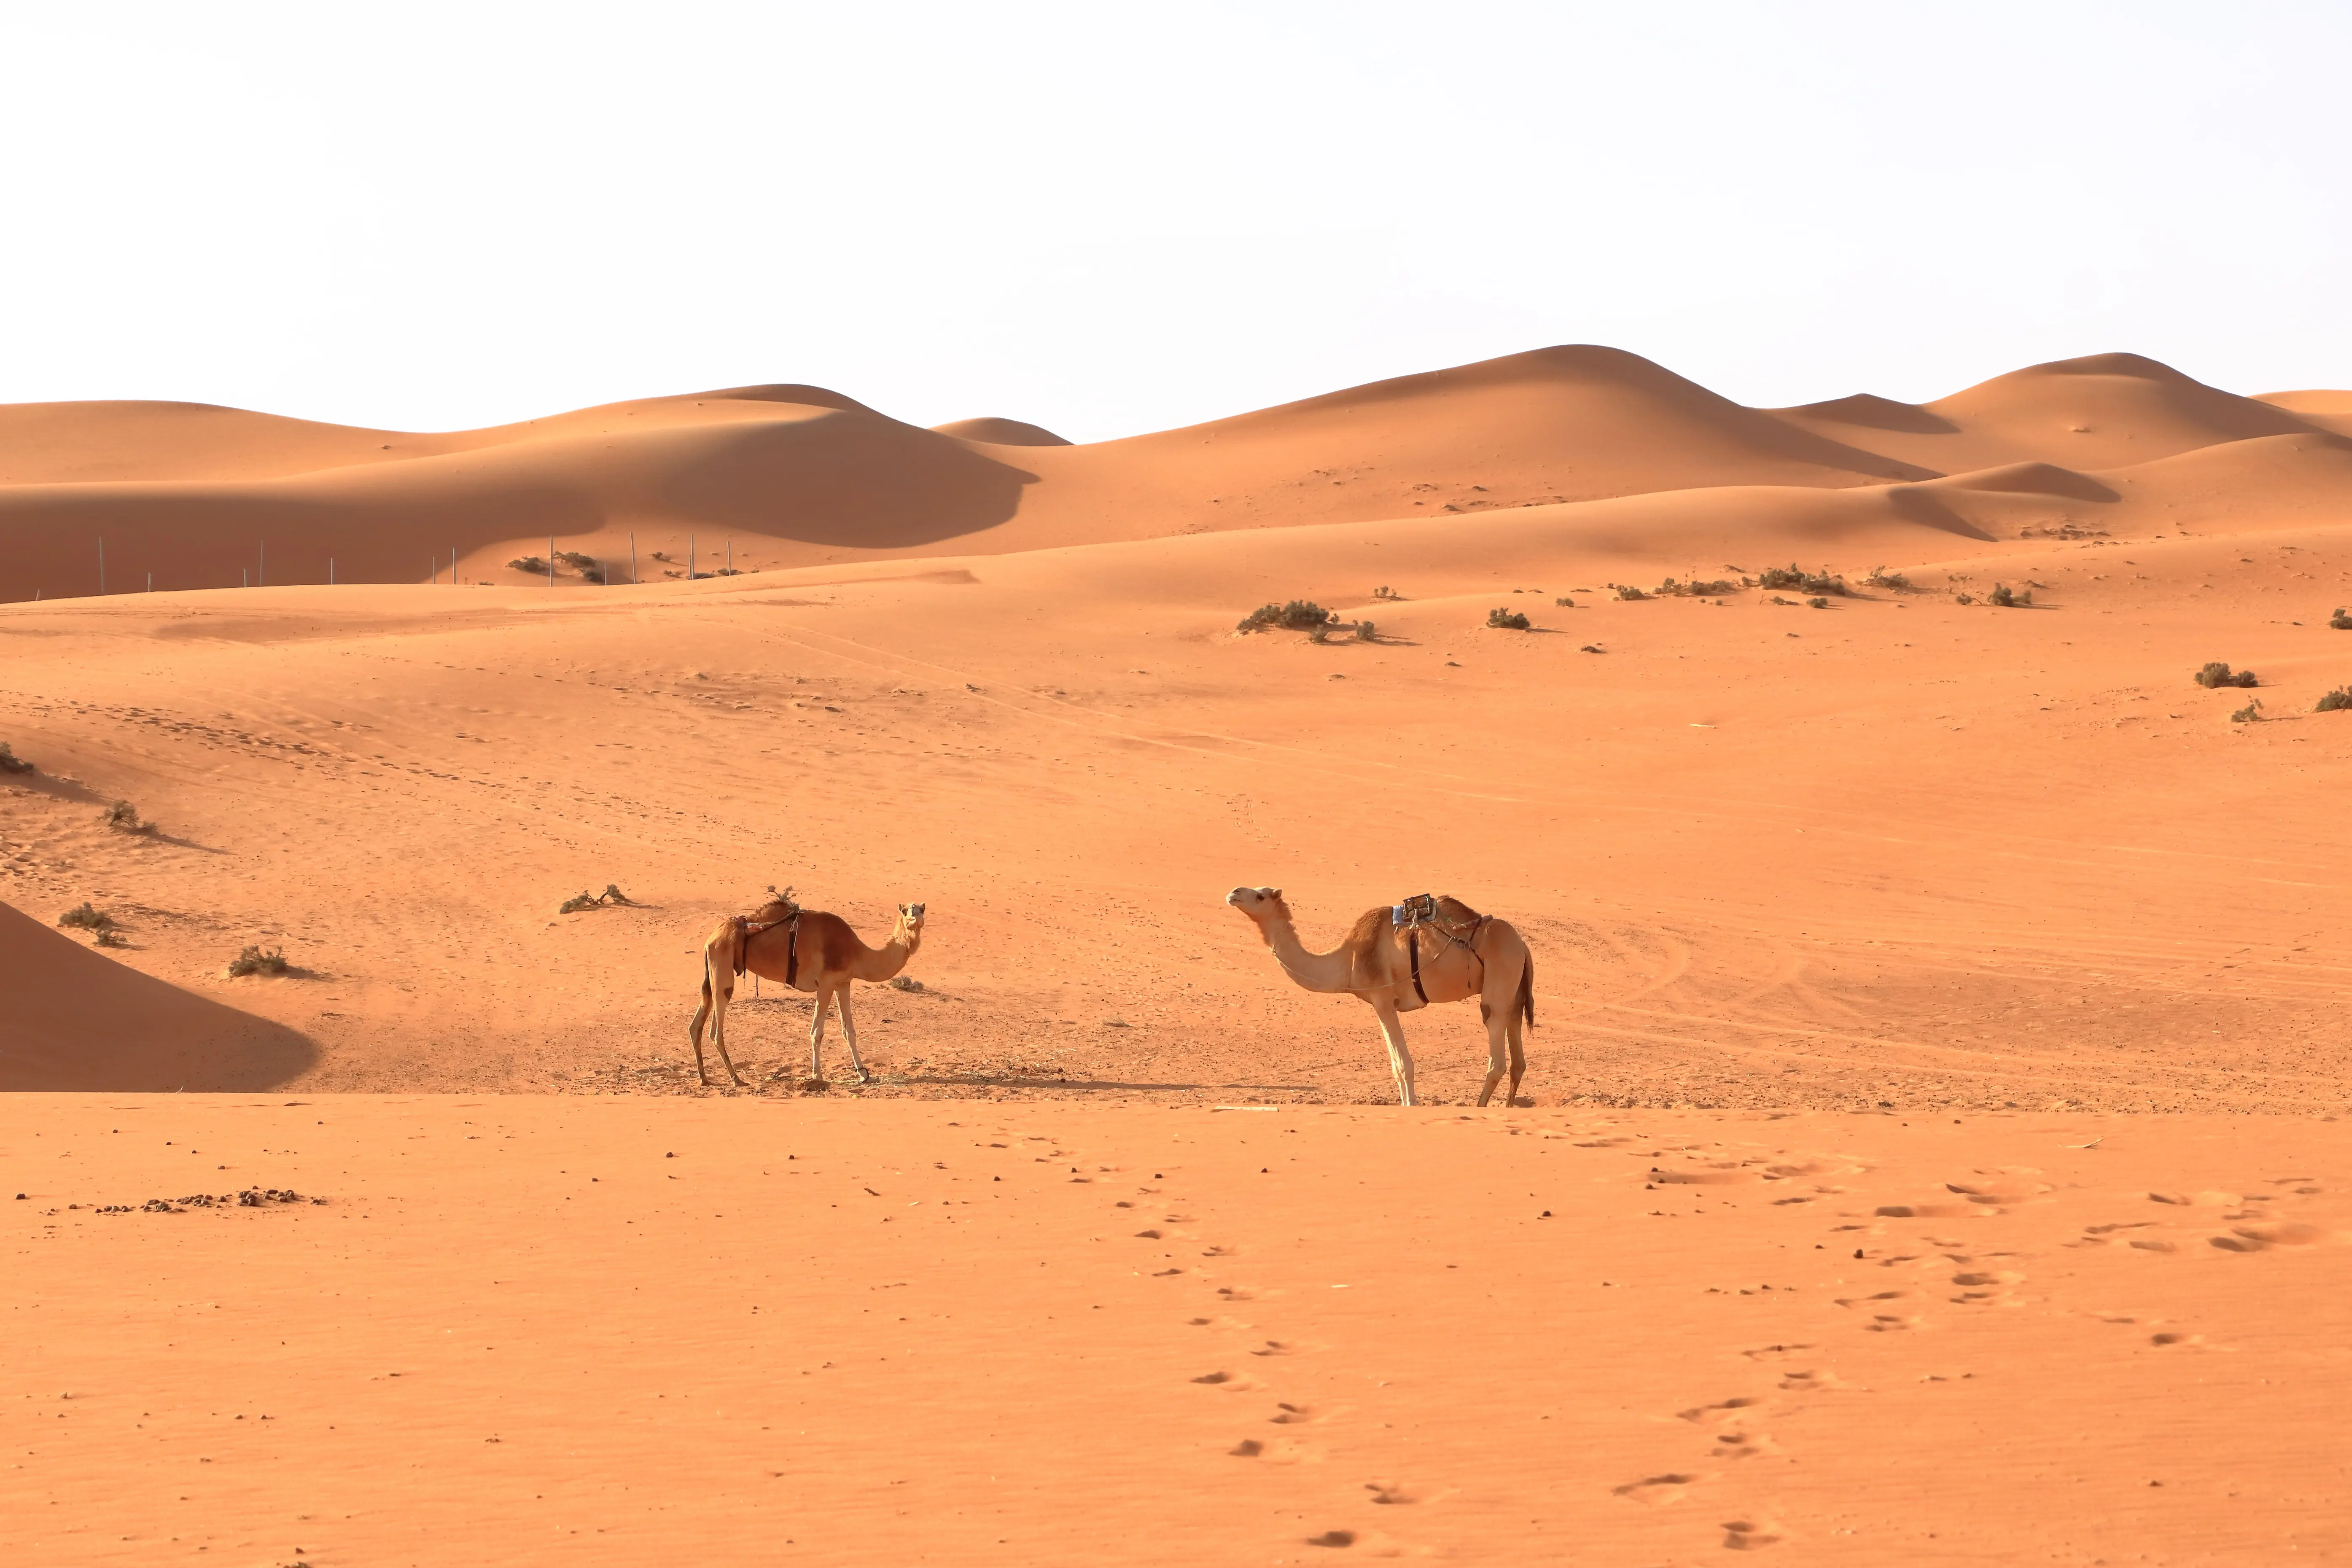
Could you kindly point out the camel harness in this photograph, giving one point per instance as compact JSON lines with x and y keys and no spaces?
{"x":746,"y":928}
{"x":1421,"y":909}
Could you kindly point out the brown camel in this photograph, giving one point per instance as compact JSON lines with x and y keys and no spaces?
{"x":1425,"y":950}
{"x":808,"y":950}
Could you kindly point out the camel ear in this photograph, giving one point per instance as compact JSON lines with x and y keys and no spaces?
{"x":1273,"y":892}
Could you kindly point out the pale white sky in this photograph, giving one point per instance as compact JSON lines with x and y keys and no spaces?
{"x":1111,"y":218}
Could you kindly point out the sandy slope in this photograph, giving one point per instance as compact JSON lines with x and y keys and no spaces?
{"x":584,"y":1330}
{"x":789,"y":475}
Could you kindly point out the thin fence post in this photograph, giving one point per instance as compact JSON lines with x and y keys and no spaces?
{"x":330,"y":571}
{"x":261,"y":566}
{"x":730,"y":557}
{"x":245,"y":576}
{"x":453,"y":566}
{"x":632,"y":561}
{"x":102,"y":565}
{"x":692,"y":573}
{"x":151,"y":582}
{"x":550,"y":561}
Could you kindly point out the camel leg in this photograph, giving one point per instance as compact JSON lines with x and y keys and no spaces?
{"x":849,"y":1033}
{"x":1517,"y":1032}
{"x":1400,"y":1059}
{"x":816,"y":1034}
{"x":694,"y":1030}
{"x":1497,"y":1049}
{"x":723,"y":993}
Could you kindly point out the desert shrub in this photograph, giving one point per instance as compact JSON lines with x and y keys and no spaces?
{"x":256,"y":960}
{"x":2341,"y":621}
{"x":2217,"y":673}
{"x":905,"y":983}
{"x":2338,"y":699}
{"x":584,"y":901}
{"x":2249,"y":713}
{"x":530,"y":563}
{"x":1696,"y":588}
{"x":1384,"y":592}
{"x":10,"y":762}
{"x":1880,"y":577}
{"x":1964,"y":598}
{"x":1296,"y":615}
{"x":1817,"y":603}
{"x":1627,"y":591}
{"x":1320,"y":633}
{"x":1367,"y":632}
{"x":1507,"y":620}
{"x":123,"y":817}
{"x":84,"y":916}
{"x":1565,"y":602}
{"x":2010,"y":599}
{"x":1796,"y":577}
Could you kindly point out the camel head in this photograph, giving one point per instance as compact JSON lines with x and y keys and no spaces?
{"x":911,"y":920}
{"x":1260,"y":904}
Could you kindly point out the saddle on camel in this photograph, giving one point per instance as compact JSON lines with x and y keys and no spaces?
{"x":808,"y":950}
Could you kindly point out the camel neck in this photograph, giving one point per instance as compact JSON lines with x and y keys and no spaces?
{"x":1315,"y":971}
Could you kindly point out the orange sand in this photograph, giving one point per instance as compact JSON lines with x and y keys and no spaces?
{"x":519,"y":1331}
{"x":1898,"y":857}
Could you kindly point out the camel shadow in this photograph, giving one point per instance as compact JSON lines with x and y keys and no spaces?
{"x":993,"y":1081}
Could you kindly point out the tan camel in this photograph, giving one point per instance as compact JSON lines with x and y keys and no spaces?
{"x":808,"y":950}
{"x":1425,"y":950}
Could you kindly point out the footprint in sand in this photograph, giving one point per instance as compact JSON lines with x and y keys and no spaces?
{"x":1749,"y":1535}
{"x":1657,"y":1492}
{"x":1389,"y":1492}
{"x":1709,"y":1412}
{"x":2259,"y":1237}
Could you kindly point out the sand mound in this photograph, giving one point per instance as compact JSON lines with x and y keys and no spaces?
{"x":77,"y":1020}
{"x":2329,"y":410}
{"x":994,"y":432}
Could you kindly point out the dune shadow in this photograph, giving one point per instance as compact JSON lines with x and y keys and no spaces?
{"x":1915,"y":503}
{"x":1868,"y":411}
{"x":79,"y":1021}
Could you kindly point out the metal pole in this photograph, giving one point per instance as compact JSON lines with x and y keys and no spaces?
{"x":690,"y":573}
{"x":453,"y":566}
{"x":730,"y":558}
{"x":151,"y":582}
{"x":633,"y":560}
{"x":330,"y":571}
{"x":550,"y":561}
{"x":261,"y":566}
{"x":102,"y":565}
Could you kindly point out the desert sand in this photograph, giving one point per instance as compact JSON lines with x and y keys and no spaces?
{"x":1907,"y":894}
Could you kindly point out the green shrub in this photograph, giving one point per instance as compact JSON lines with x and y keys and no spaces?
{"x":1385,"y":591}
{"x":529,"y":563}
{"x":1508,"y":620}
{"x":2217,"y":673}
{"x":2340,"y":698}
{"x":2249,"y":713}
{"x":10,"y":762}
{"x":1797,"y":577}
{"x":255,"y":959}
{"x":1296,"y":615}
{"x":84,"y":916}
{"x":1367,"y":632}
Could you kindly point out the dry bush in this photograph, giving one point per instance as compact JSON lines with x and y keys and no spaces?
{"x":2217,"y":673}
{"x":256,"y":960}
{"x":578,"y":901}
{"x":529,"y":563}
{"x":2341,"y":621}
{"x":2340,"y":698}
{"x":2010,"y":599}
{"x":1508,"y":621}
{"x":2249,"y":713}
{"x":1696,"y":588}
{"x":1880,"y":577}
{"x":85,"y":916}
{"x":1794,"y":576}
{"x":123,"y":817}
{"x":1297,"y":615}
{"x":10,"y":762}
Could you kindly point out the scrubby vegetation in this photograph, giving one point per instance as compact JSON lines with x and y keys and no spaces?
{"x":1964,"y":598}
{"x":1565,"y":602}
{"x":2341,"y":698}
{"x":2010,"y":599}
{"x":123,"y":817}
{"x":2341,"y":621}
{"x":574,"y":559}
{"x":2249,"y":713}
{"x":85,"y":916}
{"x":1385,"y":591}
{"x":1508,"y":620}
{"x":1698,"y":588}
{"x":583,"y":900}
{"x":10,"y":762}
{"x":2217,"y":673}
{"x":1880,"y":577}
{"x":1296,"y":615}
{"x":1627,"y":591}
{"x":256,"y":960}
{"x":530,"y":563}
{"x":1797,"y":578}
{"x":1367,"y":632}
{"x":1817,"y":603}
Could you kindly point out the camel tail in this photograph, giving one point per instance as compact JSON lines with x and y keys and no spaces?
{"x":1527,"y":991}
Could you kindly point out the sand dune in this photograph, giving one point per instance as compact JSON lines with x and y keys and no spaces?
{"x":78,"y":1020}
{"x":795,"y":475}
{"x":992,"y":432}
{"x":2328,"y":410}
